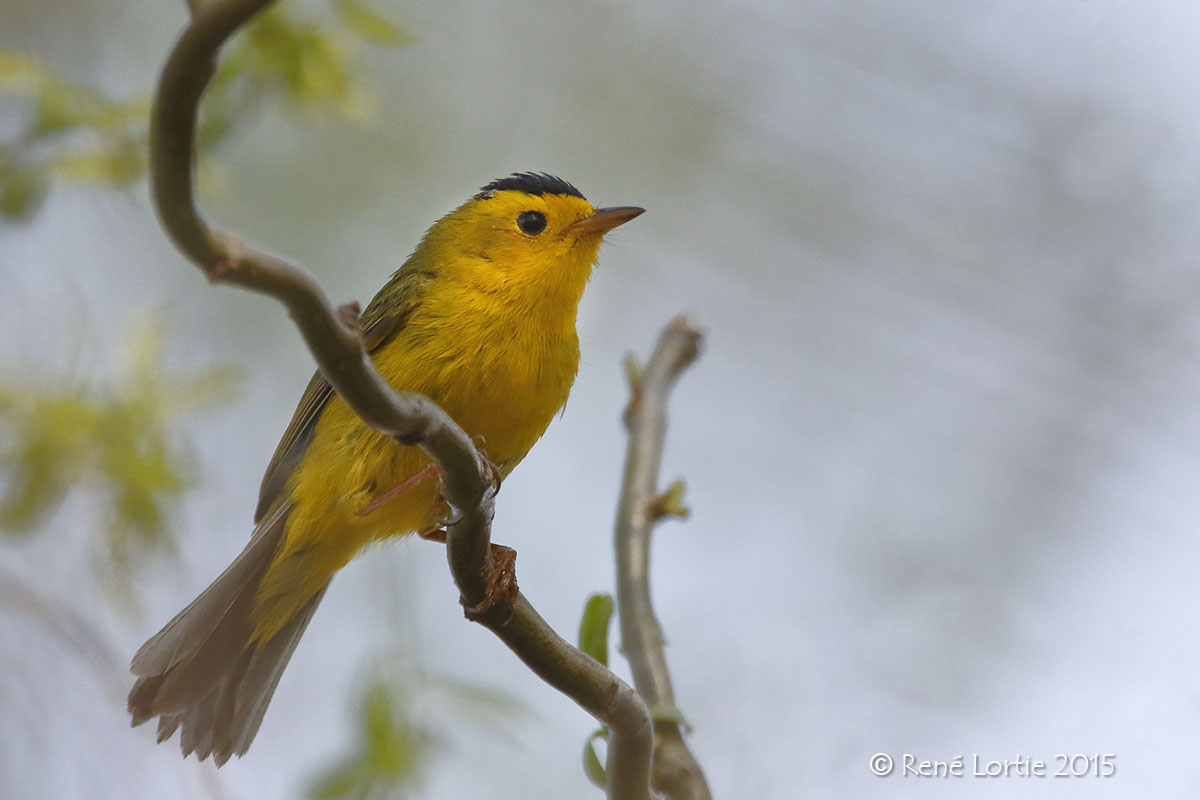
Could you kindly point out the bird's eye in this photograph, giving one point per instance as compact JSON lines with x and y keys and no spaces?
{"x":532,"y":222}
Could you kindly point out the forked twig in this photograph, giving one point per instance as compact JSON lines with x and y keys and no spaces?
{"x":676,"y":773}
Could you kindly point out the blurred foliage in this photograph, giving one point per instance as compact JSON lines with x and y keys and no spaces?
{"x":113,"y":442}
{"x":77,"y":132}
{"x":388,"y":755}
{"x":395,"y":743}
{"x":71,"y":130}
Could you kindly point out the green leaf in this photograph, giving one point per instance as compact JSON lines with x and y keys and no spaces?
{"x":377,"y":722}
{"x":312,"y":65}
{"x":21,"y":73}
{"x":593,"y":767}
{"x":633,"y":370}
{"x":21,"y":191}
{"x":105,"y":165}
{"x":50,"y":449}
{"x":368,"y":23}
{"x":344,"y":780}
{"x":62,"y":106}
{"x":670,"y":714}
{"x":670,"y":503}
{"x":114,"y":442}
{"x":593,"y":628}
{"x":388,"y":755}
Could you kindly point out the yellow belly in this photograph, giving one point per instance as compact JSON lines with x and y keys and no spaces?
{"x":505,"y":400}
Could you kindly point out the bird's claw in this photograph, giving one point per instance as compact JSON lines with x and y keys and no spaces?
{"x":502,"y":588}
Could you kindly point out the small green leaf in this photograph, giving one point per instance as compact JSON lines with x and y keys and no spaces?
{"x":368,"y":23}
{"x":106,"y":165}
{"x":377,"y":716}
{"x":670,"y":714}
{"x":593,"y":628}
{"x":633,"y":370}
{"x":670,"y":503}
{"x":389,"y":752}
{"x":62,"y":106}
{"x":48,"y":454}
{"x":21,"y":73}
{"x":21,"y":192}
{"x":343,"y":780}
{"x":593,"y":767}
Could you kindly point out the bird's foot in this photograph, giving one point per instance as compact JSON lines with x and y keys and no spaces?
{"x":502,"y":589}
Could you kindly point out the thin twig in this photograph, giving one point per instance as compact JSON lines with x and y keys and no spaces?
{"x":336,"y":343}
{"x":597,"y":690}
{"x":676,"y":773}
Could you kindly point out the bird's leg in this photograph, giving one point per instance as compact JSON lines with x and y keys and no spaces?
{"x":493,"y":471}
{"x":400,"y":488}
{"x":502,"y":586}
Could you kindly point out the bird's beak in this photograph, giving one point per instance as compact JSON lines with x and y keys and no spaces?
{"x":603,"y":220}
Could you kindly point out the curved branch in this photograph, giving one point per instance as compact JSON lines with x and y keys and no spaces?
{"x":335,"y":341}
{"x":334,"y":338}
{"x":676,"y":772}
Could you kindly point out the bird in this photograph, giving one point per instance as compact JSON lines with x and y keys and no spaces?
{"x":481,"y":318}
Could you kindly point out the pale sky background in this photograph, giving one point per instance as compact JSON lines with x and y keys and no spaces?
{"x":943,"y":447}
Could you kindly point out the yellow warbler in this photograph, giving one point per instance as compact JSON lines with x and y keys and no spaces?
{"x":481,"y":319}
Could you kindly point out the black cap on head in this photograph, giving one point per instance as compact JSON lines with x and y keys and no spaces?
{"x":535,"y":183}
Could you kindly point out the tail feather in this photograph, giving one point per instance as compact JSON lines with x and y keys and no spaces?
{"x":167,"y":724}
{"x":201,"y":674}
{"x":197,"y":737}
{"x":262,"y":675}
{"x":190,"y":629}
{"x":189,"y":681}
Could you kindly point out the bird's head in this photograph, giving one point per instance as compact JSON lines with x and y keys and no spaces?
{"x":529,"y":229}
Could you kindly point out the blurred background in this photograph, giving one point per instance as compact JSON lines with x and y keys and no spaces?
{"x":942,"y":449}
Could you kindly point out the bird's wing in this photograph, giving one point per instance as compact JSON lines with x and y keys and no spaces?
{"x":383,"y":319}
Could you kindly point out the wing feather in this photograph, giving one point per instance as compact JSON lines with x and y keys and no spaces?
{"x":385,"y":317}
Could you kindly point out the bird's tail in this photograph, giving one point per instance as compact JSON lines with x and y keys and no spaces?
{"x":202,"y":674}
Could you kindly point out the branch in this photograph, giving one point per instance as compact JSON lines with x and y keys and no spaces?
{"x":676,"y":771}
{"x":336,"y":343}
